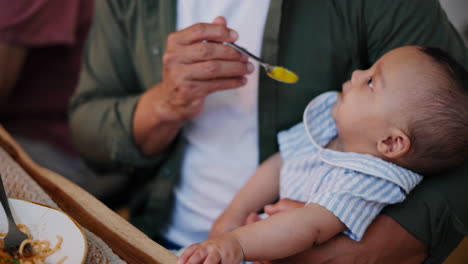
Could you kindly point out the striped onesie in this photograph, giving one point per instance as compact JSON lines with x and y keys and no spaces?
{"x":354,"y":187}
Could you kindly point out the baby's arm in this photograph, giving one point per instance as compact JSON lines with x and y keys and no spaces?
{"x":288,"y":233}
{"x":278,"y":236}
{"x":261,"y":189}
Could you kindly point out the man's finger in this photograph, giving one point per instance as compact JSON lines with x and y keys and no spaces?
{"x":209,"y":70}
{"x":282,"y":205}
{"x":272,"y":209}
{"x":202,"y":31}
{"x":220,"y":21}
{"x":205,"y":51}
{"x":220,"y":84}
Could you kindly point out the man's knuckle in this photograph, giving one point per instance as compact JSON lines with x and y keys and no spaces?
{"x":212,"y":67}
{"x":171,"y":38}
{"x":168,"y":57}
{"x":205,"y":51}
{"x":200,"y":29}
{"x":225,"y":33}
{"x":172,"y":72}
{"x":232,"y":52}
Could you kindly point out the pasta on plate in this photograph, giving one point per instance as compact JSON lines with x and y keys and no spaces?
{"x":54,"y":236}
{"x":40,"y":250}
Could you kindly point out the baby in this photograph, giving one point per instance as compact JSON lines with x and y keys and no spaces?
{"x":354,"y":153}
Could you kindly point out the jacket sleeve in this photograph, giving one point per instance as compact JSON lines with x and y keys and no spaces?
{"x":101,"y":110}
{"x":436,"y":212}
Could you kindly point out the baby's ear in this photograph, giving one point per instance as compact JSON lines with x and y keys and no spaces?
{"x":395,"y":145}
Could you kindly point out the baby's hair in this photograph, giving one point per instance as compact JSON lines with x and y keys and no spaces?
{"x":439,"y":132}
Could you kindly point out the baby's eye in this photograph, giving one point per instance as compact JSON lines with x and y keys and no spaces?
{"x":370,"y":83}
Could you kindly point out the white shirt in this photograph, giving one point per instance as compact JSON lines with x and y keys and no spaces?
{"x":222,"y":142}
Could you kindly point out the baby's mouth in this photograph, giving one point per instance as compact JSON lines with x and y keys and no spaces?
{"x":345,"y":87}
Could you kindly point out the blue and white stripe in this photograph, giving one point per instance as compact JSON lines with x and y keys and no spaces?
{"x":355,"y":187}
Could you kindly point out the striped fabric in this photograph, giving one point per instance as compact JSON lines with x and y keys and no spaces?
{"x":355,"y":187}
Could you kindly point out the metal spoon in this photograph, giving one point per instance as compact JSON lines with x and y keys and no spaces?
{"x":275,"y":72}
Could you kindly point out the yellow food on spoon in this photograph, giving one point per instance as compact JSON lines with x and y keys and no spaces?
{"x":281,"y":74}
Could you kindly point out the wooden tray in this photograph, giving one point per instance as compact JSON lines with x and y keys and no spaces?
{"x":124,"y":239}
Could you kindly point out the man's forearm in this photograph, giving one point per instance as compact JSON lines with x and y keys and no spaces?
{"x":436,"y":212}
{"x":385,"y":242}
{"x":152,"y":133}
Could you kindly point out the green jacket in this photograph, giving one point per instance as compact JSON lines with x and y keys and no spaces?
{"x":321,"y":40}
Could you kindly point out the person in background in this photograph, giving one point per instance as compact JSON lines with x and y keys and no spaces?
{"x":41,"y":44}
{"x":159,"y":92}
{"x":354,"y":153}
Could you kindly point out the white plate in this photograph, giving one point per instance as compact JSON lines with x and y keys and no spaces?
{"x":45,"y":223}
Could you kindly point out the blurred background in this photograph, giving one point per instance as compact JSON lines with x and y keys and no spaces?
{"x":457,"y":11}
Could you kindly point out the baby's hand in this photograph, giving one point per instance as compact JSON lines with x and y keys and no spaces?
{"x":252,"y":218}
{"x":222,"y":249}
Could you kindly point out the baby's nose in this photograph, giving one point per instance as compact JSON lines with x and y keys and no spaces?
{"x":357,"y":76}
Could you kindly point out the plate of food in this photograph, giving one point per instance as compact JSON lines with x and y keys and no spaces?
{"x":58,"y":239}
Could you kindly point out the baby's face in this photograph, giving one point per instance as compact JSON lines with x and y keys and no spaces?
{"x":382,"y":97}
